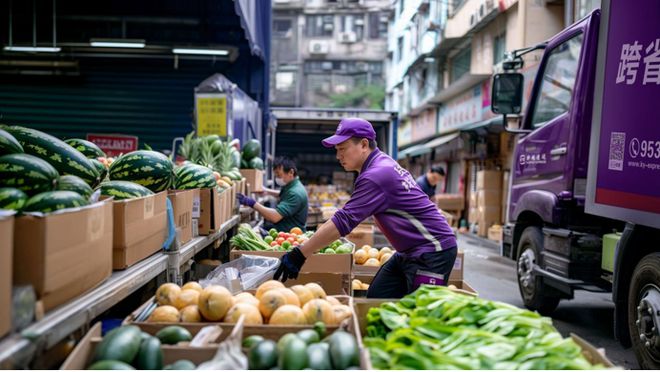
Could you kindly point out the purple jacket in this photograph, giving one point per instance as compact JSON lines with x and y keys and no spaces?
{"x":403,"y":212}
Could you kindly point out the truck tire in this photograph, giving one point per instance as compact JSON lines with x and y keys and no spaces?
{"x":644,"y":311}
{"x":531,"y":286}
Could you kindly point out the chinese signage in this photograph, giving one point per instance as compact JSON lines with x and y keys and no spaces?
{"x":627,"y":163}
{"x":463,"y":110}
{"x":211,"y":110}
{"x":423,"y":125}
{"x":114,"y":144}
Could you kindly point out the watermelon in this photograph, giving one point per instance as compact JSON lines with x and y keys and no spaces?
{"x":251,"y":149}
{"x":9,"y":144}
{"x":244,"y":164}
{"x":11,"y":198}
{"x":123,"y":190}
{"x":75,"y":184}
{"x":51,"y":201}
{"x":60,"y":155}
{"x":103,"y":171}
{"x":256,"y":163}
{"x":193,"y":176}
{"x":27,"y":173}
{"x":150,"y":169}
{"x":87,"y":148}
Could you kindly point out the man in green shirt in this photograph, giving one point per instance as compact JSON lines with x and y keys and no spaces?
{"x":291,"y":211}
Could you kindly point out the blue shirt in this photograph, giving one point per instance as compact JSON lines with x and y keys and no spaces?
{"x":403,"y":212}
{"x":424,"y":184}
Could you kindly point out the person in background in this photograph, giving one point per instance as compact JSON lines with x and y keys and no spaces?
{"x":425,"y":244}
{"x":429,"y":181}
{"x":291,"y":210}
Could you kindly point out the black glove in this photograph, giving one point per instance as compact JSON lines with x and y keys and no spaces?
{"x":290,"y":265}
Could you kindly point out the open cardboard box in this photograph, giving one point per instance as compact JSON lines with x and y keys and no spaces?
{"x":362,"y":235}
{"x":461,"y":286}
{"x":64,"y":253}
{"x":140,"y":229}
{"x":456,"y":272}
{"x":207,"y":210}
{"x":254,"y":179}
{"x":182,"y":203}
{"x":6,"y":252}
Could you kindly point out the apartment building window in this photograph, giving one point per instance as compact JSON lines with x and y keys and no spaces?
{"x":402,"y":6}
{"x":460,"y":64}
{"x":322,"y":25}
{"x":399,"y":49}
{"x":499,"y":48}
{"x":282,"y":28}
{"x":353,"y":23}
{"x":377,"y":25}
{"x":284,"y":81}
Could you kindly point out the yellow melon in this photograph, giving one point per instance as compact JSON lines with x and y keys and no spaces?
{"x":373,"y":253}
{"x":186,"y":297}
{"x":288,"y":315}
{"x":246,"y":297}
{"x":291,"y":297}
{"x":385,"y":257}
{"x":332,"y":300}
{"x":267,"y":286}
{"x":270,"y":301}
{"x":341,"y":312}
{"x":383,"y":251}
{"x":304,"y":294}
{"x":357,"y":284}
{"x":214,"y":302}
{"x":165,"y":314}
{"x":252,"y":314}
{"x":318,"y":310}
{"x":192,"y":285}
{"x":317,"y":290}
{"x":190,"y":314}
{"x":167,"y":293}
{"x":360,"y":256}
{"x":372,"y":262}
{"x":366,"y":247}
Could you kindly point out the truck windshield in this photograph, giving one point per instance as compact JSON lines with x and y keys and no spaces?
{"x":558,"y":81}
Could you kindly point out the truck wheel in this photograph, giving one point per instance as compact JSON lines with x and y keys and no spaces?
{"x":531,"y":286}
{"x":644,"y":311}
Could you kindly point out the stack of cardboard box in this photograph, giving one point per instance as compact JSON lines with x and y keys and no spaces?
{"x":343,"y":180}
{"x":489,"y":200}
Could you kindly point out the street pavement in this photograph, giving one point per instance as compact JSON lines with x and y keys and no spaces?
{"x":589,"y":315}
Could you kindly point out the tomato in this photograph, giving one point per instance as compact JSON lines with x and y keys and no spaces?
{"x":272,"y":244}
{"x":281,"y":235}
{"x":280,"y":241}
{"x":290,"y":240}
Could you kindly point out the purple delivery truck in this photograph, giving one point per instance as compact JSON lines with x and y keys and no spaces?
{"x":584,"y":208}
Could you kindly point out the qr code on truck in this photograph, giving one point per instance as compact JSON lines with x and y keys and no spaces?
{"x":617,"y":148}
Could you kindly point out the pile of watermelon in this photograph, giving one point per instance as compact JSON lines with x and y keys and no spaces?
{"x":250,"y":156}
{"x":41,"y":173}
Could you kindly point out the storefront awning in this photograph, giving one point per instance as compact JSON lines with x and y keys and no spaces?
{"x":441,"y":140}
{"x":413,"y":151}
{"x":484,"y":125}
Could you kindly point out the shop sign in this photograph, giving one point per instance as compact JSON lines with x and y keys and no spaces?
{"x":462,"y":110}
{"x":404,"y":135}
{"x":423,"y":125}
{"x":211,"y":114}
{"x":114,"y":144}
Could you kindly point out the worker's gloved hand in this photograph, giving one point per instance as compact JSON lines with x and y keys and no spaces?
{"x":244,"y":200}
{"x":290,"y":265}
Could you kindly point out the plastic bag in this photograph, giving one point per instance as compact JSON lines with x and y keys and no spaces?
{"x":248,"y":271}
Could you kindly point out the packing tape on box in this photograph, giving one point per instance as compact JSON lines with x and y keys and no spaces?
{"x":171,"y":226}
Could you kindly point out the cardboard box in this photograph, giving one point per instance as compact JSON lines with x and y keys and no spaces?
{"x":318,"y":263}
{"x":488,"y":216}
{"x":473,"y":199}
{"x":65,"y":253}
{"x":457,"y":271}
{"x":473,"y":215}
{"x":495,"y":233}
{"x":333,"y":283}
{"x":489,"y":179}
{"x":6,"y":252}
{"x":362,"y":235}
{"x":207,"y":210}
{"x":182,"y":203}
{"x":450,"y":202}
{"x":254,"y":179}
{"x":489,"y":197}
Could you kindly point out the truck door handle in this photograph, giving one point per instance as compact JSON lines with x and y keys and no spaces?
{"x":558,"y":151}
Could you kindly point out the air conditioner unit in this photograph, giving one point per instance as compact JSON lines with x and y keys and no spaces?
{"x":319,"y":47}
{"x":347,"y":37}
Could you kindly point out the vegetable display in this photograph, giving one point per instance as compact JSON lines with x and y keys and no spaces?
{"x":436,"y":328}
{"x":248,"y":240}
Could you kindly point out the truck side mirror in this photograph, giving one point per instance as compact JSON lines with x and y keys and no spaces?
{"x":507,"y":93}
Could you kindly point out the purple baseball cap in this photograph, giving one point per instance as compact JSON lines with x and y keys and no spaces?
{"x":350,"y":127}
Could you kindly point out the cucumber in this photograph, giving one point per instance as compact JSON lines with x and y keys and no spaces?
{"x":120,"y":344}
{"x":150,"y":356}
{"x":183,"y":364}
{"x":250,"y":341}
{"x":110,"y":365}
{"x":319,"y":356}
{"x":294,"y":355}
{"x":263,"y":355}
{"x":309,"y":336}
{"x":172,"y":335}
{"x":344,"y":350}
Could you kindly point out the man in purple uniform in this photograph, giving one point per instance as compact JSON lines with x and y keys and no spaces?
{"x":423,"y":240}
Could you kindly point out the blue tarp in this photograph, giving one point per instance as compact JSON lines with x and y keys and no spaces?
{"x":255,"y":20}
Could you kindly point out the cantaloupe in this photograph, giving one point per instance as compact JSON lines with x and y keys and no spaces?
{"x":316,"y":289}
{"x":252,"y":314}
{"x":185,"y":298}
{"x":360,"y":256}
{"x":291,"y":297}
{"x":267,"y":286}
{"x":373,"y":253}
{"x":304,"y":294}
{"x":372,"y":262}
{"x":384,"y":258}
{"x":190,"y":314}
{"x":167,"y":293}
{"x":288,"y":315}
{"x":214,"y":302}
{"x":165,"y":314}
{"x":318,"y":310}
{"x":192,"y":285}
{"x":270,"y":301}
{"x":246,"y":297}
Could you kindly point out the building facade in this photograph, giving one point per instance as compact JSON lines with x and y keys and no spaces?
{"x":329,"y":53}
{"x":441,"y":58}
